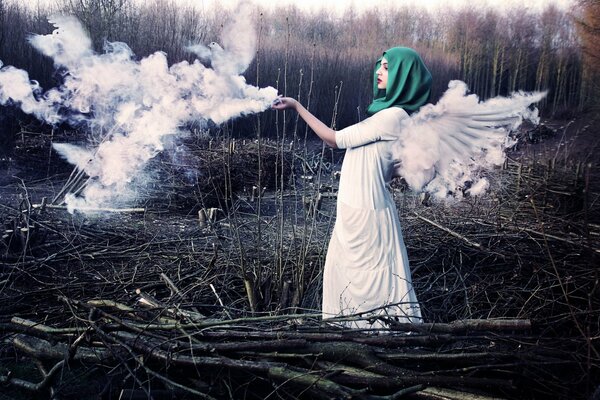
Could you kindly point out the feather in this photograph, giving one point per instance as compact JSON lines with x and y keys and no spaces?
{"x":444,"y":147}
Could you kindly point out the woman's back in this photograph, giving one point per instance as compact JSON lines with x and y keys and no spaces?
{"x":368,"y":167}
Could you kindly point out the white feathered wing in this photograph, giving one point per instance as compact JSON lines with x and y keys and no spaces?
{"x":444,"y":147}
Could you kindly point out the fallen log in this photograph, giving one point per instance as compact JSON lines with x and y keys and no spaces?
{"x":41,"y":386}
{"x":93,"y":209}
{"x":436,"y":393}
{"x":41,"y":349}
{"x":316,"y":358}
{"x":464,"y":326}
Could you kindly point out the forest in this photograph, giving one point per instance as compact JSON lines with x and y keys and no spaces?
{"x":202,"y":277}
{"x":495,"y":53}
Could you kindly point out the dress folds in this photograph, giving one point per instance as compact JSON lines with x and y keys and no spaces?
{"x":366,"y":268}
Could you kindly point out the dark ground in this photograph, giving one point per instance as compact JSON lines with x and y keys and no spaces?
{"x":537,"y":242}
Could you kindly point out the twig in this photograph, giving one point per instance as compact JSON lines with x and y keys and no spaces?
{"x":451,"y":232}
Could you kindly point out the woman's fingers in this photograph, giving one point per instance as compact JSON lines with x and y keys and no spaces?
{"x":282,"y":103}
{"x":277,"y":100}
{"x":279,"y":103}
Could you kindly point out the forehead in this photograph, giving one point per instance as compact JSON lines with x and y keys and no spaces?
{"x":384,"y":60}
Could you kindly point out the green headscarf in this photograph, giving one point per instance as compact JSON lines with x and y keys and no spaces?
{"x":408,"y":85}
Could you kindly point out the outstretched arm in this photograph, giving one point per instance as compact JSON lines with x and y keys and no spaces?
{"x":323,"y":131}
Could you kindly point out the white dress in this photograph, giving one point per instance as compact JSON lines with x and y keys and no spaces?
{"x":366,"y":267}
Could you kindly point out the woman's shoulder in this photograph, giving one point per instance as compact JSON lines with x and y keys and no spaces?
{"x":392,"y":112}
{"x":388,"y":119}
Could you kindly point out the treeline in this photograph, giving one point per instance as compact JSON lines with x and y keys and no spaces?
{"x":588,"y":27}
{"x":495,"y":53}
{"x":327,"y":59}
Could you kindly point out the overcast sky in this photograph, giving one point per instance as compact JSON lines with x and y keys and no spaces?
{"x":360,"y":5}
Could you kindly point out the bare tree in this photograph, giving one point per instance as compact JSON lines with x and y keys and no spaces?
{"x":2,"y":23}
{"x":495,"y":53}
{"x":588,"y":27}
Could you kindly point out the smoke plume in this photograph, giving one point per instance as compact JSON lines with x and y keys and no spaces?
{"x":130,"y":107}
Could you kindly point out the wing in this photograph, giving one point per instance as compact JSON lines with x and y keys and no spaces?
{"x":445,"y":147}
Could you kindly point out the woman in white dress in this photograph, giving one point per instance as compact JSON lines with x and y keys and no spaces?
{"x":366,"y":268}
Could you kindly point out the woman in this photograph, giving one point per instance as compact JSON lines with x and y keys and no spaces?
{"x":366,"y":268}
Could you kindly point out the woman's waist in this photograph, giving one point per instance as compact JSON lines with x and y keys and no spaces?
{"x":364,"y":196}
{"x":366,"y":202}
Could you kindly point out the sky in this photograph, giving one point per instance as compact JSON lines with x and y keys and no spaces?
{"x":361,"y":5}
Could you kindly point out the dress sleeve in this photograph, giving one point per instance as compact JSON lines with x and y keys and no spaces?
{"x":384,"y":125}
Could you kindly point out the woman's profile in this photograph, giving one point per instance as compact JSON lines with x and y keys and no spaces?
{"x":366,"y":267}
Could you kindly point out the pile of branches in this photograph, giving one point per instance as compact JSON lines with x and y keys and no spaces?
{"x":538,"y":234}
{"x":156,"y":350}
{"x":156,"y":305}
{"x":203,"y":172}
{"x":211,"y":172}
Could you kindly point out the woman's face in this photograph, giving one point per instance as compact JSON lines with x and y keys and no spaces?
{"x":382,"y":74}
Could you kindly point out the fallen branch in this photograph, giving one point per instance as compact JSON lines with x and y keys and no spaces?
{"x":93,"y":209}
{"x":464,"y":326}
{"x":30,"y":386}
{"x":549,"y":236}
{"x":451,"y":232}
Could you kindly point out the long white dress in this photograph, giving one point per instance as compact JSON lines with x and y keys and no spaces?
{"x":366,"y":267}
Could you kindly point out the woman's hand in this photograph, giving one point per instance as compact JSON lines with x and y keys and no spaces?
{"x":283,"y":103}
{"x":323,"y":131}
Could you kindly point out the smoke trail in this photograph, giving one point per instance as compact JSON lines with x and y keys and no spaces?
{"x":131,"y":107}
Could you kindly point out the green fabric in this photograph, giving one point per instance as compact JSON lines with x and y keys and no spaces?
{"x":408,"y":85}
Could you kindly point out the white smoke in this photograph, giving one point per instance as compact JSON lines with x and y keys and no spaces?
{"x":239,"y":39}
{"x":67,"y":45}
{"x":16,"y":87}
{"x":130,"y":107}
{"x":446,"y":147}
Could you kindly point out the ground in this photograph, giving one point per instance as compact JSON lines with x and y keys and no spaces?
{"x":527,"y":251}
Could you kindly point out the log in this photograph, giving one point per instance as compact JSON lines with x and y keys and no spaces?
{"x":94,"y":209}
{"x":44,"y":350}
{"x":465,"y":325}
{"x":30,"y":386}
{"x":151,"y":303}
{"x":393,"y":382}
{"x":133,"y":394}
{"x":428,"y":328}
{"x":101,"y":303}
{"x":28,"y":325}
{"x":443,"y":357}
{"x":318,"y":386}
{"x":356,"y":354}
{"x":436,"y":393}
